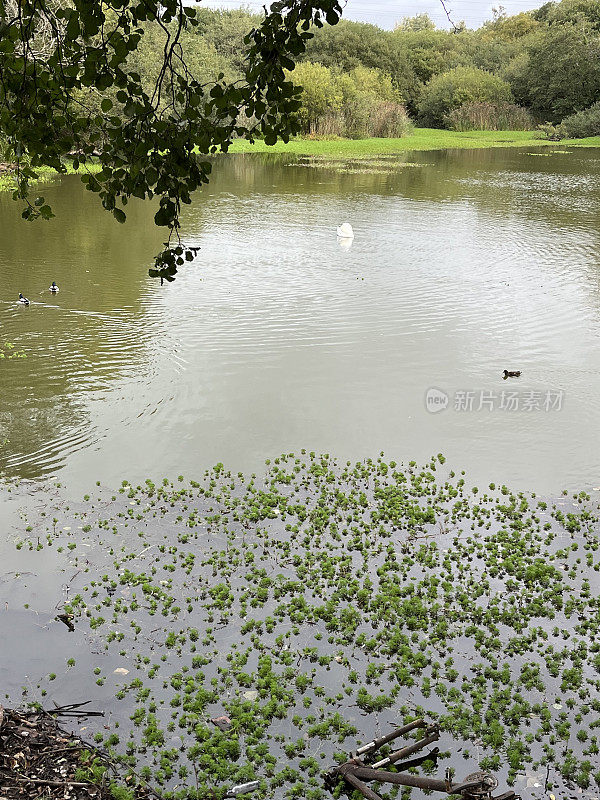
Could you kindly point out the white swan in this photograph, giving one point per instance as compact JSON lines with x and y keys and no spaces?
{"x":345,"y":231}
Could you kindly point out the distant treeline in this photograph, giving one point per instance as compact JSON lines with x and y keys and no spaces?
{"x":358,"y":80}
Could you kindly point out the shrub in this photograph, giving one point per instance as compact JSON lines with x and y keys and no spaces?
{"x":550,"y":132}
{"x":486,"y":116}
{"x":582,"y":124}
{"x":321,"y":94}
{"x":364,"y":118}
{"x":390,"y":120}
{"x":450,"y":90}
{"x":358,"y":104}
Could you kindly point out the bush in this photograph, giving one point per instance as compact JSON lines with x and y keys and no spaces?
{"x":446,"y":92}
{"x":321,"y":94}
{"x":362,"y":120}
{"x":551,"y":132}
{"x":582,"y":124}
{"x":357,"y":104}
{"x":390,"y":121}
{"x":484,"y":116}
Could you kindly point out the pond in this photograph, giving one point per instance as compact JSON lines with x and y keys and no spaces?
{"x":320,"y":603}
{"x":281,"y":336}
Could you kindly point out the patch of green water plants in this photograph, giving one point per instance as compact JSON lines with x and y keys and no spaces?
{"x":312,"y":608}
{"x":8,"y":351}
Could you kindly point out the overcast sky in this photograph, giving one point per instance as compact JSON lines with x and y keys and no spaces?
{"x":386,"y":12}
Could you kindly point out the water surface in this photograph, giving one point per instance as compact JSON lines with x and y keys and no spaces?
{"x":280,"y":336}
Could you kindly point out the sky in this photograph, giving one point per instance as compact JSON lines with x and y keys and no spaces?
{"x":386,"y":13}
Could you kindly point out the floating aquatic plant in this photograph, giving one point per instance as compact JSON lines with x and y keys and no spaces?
{"x":305,"y":610}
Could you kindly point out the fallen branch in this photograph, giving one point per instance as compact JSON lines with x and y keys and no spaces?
{"x":36,"y":752}
{"x":49,"y":783}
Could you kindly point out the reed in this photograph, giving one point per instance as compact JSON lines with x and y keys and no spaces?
{"x":486,"y":116}
{"x":362,"y":120}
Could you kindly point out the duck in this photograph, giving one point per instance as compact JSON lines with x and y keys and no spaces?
{"x":345,"y":231}
{"x":23,"y":300}
{"x":54,"y":288}
{"x":511,"y":373}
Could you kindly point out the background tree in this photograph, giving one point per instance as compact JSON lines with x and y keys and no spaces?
{"x":420,"y":22}
{"x":353,"y":44}
{"x":560,"y":73}
{"x":585,"y":12}
{"x":511,"y":28}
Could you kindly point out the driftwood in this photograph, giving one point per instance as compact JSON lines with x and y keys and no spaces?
{"x":364,"y":766}
{"x":73,"y":710}
{"x":39,"y":759}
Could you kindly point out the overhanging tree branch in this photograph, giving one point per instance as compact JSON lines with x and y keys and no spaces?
{"x":150,"y":145}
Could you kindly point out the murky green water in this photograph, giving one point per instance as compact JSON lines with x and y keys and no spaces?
{"x":279,"y":337}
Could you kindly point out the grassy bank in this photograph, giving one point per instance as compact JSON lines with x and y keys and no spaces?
{"x":45,"y":175}
{"x":421,"y":139}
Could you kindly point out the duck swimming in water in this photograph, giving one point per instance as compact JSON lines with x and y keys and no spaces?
{"x":54,"y":288}
{"x":23,"y":300}
{"x":508,"y":373}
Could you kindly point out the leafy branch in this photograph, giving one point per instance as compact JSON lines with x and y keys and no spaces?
{"x":149,"y":142}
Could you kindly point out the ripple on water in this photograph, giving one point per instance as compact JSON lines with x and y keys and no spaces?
{"x":276,"y":336}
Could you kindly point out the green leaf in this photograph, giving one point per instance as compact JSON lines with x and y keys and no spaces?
{"x":106,"y":104}
{"x":162,"y":217}
{"x":46,"y":212}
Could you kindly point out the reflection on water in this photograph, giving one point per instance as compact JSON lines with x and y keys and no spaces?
{"x":280,"y":337}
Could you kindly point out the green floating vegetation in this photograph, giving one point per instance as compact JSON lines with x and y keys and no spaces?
{"x":307,"y":610}
{"x":8,"y":351}
{"x":383,"y":164}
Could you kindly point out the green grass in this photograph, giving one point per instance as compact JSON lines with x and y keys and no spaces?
{"x":45,"y":175}
{"x":421,"y":139}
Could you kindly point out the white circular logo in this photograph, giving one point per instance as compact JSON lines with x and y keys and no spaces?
{"x":436,"y":400}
